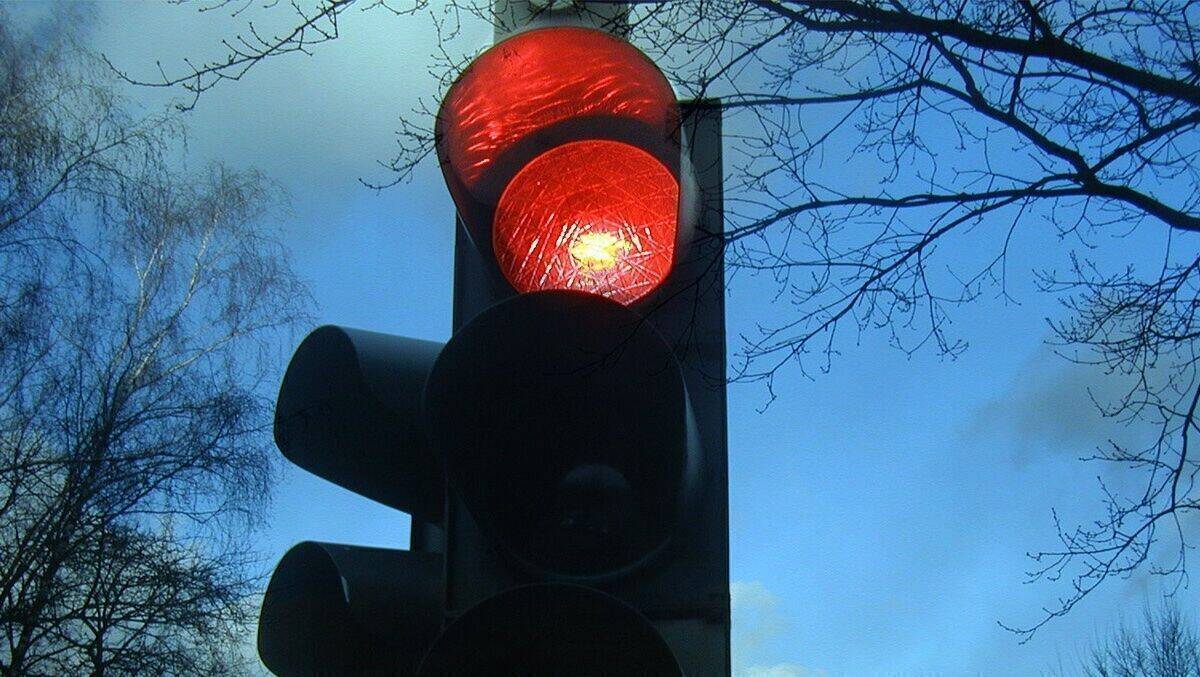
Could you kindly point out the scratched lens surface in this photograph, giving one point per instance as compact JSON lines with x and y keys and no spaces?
{"x":539,"y":80}
{"x":593,"y":216}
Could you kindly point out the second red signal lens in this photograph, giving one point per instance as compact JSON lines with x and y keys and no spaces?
{"x":595,"y":216}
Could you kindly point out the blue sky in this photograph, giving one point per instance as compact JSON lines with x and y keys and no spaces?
{"x":879,"y":513}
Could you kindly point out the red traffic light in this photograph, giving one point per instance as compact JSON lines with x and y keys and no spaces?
{"x":595,"y":216}
{"x":561,"y":149}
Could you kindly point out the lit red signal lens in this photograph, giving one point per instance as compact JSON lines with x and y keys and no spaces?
{"x":595,"y":216}
{"x":561,"y":150}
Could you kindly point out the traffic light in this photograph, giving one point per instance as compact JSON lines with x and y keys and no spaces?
{"x":349,"y":411}
{"x":563,"y":455}
{"x":584,"y":434}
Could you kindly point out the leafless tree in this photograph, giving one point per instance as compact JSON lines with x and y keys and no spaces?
{"x":1165,"y":645}
{"x":137,"y":307}
{"x":892,"y":156}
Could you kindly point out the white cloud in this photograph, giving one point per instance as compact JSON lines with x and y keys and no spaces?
{"x":756,"y":617}
{"x":779,"y":670}
{"x":1054,"y":407}
{"x":316,"y":123}
{"x":756,"y":621}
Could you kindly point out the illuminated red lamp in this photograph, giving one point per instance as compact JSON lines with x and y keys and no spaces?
{"x":561,"y":150}
{"x":596,"y":216}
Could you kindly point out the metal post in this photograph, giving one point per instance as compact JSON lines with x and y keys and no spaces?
{"x":514,"y":16}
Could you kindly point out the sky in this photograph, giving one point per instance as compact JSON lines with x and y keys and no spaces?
{"x":879,"y":513}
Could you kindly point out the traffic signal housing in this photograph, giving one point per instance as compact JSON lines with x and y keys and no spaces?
{"x":567,"y":433}
{"x":349,"y":411}
{"x":563,"y":456}
{"x":648,"y":449}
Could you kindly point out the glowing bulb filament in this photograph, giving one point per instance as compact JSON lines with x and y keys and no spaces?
{"x":596,"y":251}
